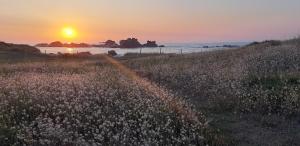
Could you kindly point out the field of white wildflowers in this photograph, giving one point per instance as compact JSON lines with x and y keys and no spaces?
{"x":257,"y":78}
{"x":246,"y":96}
{"x":258,"y":84}
{"x":87,"y":103}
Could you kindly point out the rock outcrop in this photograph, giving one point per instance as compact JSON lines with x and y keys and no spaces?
{"x":60,"y":44}
{"x":150,"y":44}
{"x":130,"y":43}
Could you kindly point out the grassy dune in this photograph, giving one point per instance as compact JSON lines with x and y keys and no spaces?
{"x":85,"y":103}
{"x":251,"y":94}
{"x":19,"y":53}
{"x":246,"y":96}
{"x":220,"y":75}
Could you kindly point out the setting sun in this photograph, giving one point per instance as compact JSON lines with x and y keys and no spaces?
{"x":149,"y":72}
{"x":68,"y":32}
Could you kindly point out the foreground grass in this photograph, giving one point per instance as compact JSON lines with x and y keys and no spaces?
{"x":251,"y":94}
{"x":87,"y":103}
{"x":247,"y":96}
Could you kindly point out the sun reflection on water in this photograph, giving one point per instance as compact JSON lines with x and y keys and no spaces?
{"x":71,"y":50}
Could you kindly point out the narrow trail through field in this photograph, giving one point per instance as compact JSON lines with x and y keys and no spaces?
{"x":154,"y":89}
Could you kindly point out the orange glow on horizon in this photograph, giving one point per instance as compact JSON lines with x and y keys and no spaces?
{"x":69,"y":33}
{"x":98,"y":20}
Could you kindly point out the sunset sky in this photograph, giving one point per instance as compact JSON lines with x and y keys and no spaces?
{"x":33,"y":21}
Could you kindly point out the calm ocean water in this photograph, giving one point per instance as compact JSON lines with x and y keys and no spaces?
{"x":170,"y":48}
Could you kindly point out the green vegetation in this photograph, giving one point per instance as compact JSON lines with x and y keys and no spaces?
{"x":245,"y":96}
{"x":251,"y":93}
{"x":14,"y":53}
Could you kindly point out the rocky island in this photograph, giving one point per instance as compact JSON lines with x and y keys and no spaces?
{"x":127,"y":43}
{"x":60,"y":44}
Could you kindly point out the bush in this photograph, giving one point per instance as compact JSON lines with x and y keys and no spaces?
{"x":112,"y":53}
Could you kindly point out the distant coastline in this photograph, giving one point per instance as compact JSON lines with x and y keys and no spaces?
{"x":128,"y":43}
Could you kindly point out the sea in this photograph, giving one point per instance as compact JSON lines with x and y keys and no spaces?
{"x":174,"y":48}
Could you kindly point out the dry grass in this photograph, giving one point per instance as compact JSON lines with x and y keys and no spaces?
{"x":249,"y":96}
{"x":88,"y":103}
{"x":261,"y":79}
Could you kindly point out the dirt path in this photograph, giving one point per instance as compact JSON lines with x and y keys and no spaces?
{"x":165,"y":95}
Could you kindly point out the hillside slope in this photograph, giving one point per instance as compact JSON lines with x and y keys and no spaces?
{"x":18,"y":52}
{"x":251,"y":94}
